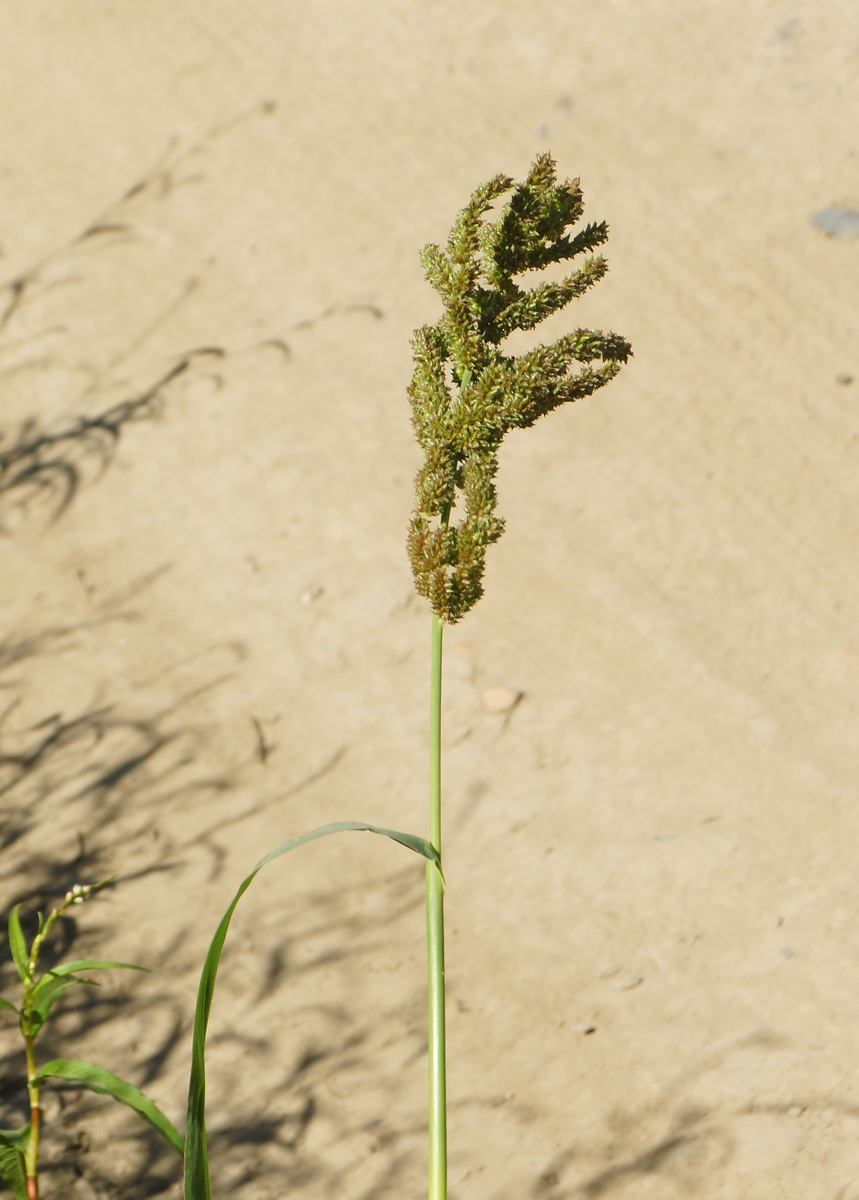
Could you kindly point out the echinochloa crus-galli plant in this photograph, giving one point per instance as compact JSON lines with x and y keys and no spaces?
{"x":466,"y":393}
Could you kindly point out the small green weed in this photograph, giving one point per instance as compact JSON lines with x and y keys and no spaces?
{"x":19,"y":1149}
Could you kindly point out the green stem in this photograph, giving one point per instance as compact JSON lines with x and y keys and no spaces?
{"x":435,"y":916}
{"x":31,"y":1154}
{"x":435,"y":943}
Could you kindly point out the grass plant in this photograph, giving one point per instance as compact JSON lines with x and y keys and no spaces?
{"x":466,"y":394}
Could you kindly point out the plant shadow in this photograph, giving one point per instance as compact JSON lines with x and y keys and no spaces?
{"x":42,"y":470}
{"x":697,"y":1143}
{"x":90,"y":786}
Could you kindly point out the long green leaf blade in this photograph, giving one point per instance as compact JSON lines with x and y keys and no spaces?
{"x":196,"y":1149}
{"x":86,"y":964}
{"x":13,"y":1169}
{"x":97,"y":1079}
{"x":17,"y":944}
{"x":7,"y":1004}
{"x":54,"y":982}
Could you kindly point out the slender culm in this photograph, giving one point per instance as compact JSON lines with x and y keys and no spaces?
{"x":466,"y":393}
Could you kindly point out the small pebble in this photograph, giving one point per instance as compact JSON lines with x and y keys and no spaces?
{"x":312,"y":594}
{"x":844,"y":379}
{"x":836,"y":221}
{"x":796,"y":1110}
{"x":628,"y":983}
{"x":501,"y":699}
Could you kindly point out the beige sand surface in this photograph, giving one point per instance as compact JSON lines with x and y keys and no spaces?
{"x":211,"y":213}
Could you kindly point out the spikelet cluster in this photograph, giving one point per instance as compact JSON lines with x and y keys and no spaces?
{"x":466,"y":393}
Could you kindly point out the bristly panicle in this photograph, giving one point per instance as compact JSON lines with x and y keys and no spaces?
{"x":466,"y":393}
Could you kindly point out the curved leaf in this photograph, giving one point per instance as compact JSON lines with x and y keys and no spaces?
{"x":85,"y":964}
{"x":196,"y":1150}
{"x":17,"y":944}
{"x":97,"y":1079}
{"x":7,"y":1004}
{"x":54,"y":982}
{"x":13,"y":1169}
{"x":51,"y":992}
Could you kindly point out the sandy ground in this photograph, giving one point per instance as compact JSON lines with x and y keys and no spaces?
{"x":211,"y":214}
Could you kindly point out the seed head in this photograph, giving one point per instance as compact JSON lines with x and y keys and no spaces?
{"x":466,"y":393}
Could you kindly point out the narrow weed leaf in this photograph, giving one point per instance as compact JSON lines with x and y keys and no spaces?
{"x":51,"y":989}
{"x":97,"y":1079}
{"x":17,"y":944}
{"x":54,"y":982}
{"x":7,"y":1004}
{"x":196,"y":1149}
{"x":13,"y":1170}
{"x":86,"y":964}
